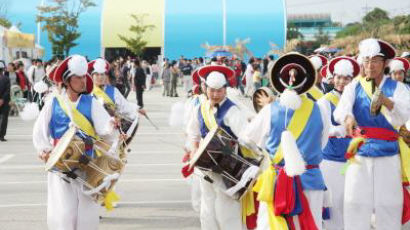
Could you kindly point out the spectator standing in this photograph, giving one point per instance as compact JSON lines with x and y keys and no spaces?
{"x":139,"y":83}
{"x":4,"y":102}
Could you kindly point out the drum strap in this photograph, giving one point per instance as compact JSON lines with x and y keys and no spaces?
{"x":78,"y":118}
{"x":404,"y":148}
{"x":296,"y":125}
{"x":99,"y":93}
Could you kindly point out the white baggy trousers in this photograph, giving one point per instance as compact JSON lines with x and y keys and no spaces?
{"x":218,"y":210}
{"x":373,"y":184}
{"x":335,"y":183}
{"x":68,"y":208}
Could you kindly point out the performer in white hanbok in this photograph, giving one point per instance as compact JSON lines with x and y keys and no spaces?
{"x":342,"y":70}
{"x":293,"y":130}
{"x":67,"y":207}
{"x":218,"y":210}
{"x":109,"y":94}
{"x":370,"y":108}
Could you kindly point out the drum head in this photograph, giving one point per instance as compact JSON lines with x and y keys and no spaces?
{"x":60,"y":148}
{"x":262,"y":97}
{"x":202,"y":146}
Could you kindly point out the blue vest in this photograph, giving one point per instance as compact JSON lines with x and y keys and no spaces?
{"x":219,"y":117}
{"x":309,"y":142}
{"x":109,"y":90}
{"x":336,"y":147}
{"x":59,"y":122}
{"x":361,"y":112}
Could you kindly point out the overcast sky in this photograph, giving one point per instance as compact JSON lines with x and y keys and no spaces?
{"x":347,"y":11}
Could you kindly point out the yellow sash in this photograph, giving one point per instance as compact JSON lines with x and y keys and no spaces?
{"x":78,"y":118}
{"x":404,"y":148}
{"x":208,"y":115}
{"x":297,"y":124}
{"x":99,"y":93}
{"x":315,"y":92}
{"x":332,"y":98}
{"x":266,"y":181}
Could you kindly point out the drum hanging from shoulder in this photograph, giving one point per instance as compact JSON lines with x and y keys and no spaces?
{"x":97,"y":174}
{"x":223,"y":155}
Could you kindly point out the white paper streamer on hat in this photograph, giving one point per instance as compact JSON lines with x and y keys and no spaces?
{"x":77,"y":65}
{"x":30,"y":112}
{"x":99,"y":66}
{"x":317,"y":62}
{"x":396,"y":65}
{"x":369,"y":48}
{"x":343,"y":68}
{"x":215,"y":80}
{"x":408,"y":125}
{"x":40,"y":87}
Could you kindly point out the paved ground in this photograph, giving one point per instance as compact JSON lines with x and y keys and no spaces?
{"x":153,"y":194}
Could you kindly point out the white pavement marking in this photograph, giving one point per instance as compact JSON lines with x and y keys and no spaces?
{"x":120,"y":181}
{"x":119,"y":203}
{"x":38,"y":166}
{"x":6,"y":158}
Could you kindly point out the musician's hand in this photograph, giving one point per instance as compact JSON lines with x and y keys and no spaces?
{"x":44,"y":156}
{"x":389,"y":104}
{"x":192,"y":153}
{"x":350,"y":124}
{"x":142,"y":112}
{"x":1,"y":102}
{"x":116,"y":123}
{"x":123,"y":136}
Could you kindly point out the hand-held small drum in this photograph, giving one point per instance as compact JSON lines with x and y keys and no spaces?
{"x":98,"y":175}
{"x":376,"y":103}
{"x":261,"y":97}
{"x":223,"y":155}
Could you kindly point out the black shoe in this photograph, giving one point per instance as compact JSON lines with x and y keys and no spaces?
{"x":2,"y":139}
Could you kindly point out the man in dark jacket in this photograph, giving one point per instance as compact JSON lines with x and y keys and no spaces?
{"x":139,"y":82}
{"x":4,"y":101}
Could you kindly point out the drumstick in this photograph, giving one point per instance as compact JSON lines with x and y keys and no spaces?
{"x":152,"y":123}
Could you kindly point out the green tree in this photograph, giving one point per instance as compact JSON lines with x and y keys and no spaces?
{"x":349,"y":30}
{"x":373,"y":20}
{"x":136,"y":43}
{"x":61,"y":22}
{"x":293,"y":32}
{"x":401,"y":24}
{"x":5,"y":22}
{"x":375,"y":16}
